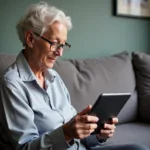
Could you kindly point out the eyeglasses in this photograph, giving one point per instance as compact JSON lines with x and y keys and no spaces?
{"x":54,"y":46}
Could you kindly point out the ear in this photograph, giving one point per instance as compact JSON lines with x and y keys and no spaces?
{"x":29,"y":39}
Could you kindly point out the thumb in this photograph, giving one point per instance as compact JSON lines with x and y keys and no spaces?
{"x":85,"y":111}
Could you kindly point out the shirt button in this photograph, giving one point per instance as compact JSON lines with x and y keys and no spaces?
{"x":52,"y":79}
{"x":46,"y":97}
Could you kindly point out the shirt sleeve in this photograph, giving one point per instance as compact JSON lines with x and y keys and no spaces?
{"x":92,"y":141}
{"x":18,"y":119}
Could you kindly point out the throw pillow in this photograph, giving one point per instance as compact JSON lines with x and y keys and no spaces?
{"x":141,"y":63}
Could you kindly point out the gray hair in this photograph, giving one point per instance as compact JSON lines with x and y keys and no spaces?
{"x":38,"y":17}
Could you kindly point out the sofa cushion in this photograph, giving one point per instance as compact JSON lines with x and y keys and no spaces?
{"x":141,"y":62}
{"x":130,"y":133}
{"x":86,"y":79}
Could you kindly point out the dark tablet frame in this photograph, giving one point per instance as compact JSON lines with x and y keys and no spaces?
{"x":107,"y":106}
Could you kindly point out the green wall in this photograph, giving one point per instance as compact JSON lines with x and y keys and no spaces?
{"x":96,"y":32}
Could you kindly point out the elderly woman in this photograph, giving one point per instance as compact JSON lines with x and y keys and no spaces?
{"x":36,"y":112}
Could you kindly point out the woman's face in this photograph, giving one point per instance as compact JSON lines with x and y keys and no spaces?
{"x":41,"y":51}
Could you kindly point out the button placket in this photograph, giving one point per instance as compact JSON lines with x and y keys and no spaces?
{"x":47,"y":100}
{"x":46,"y":97}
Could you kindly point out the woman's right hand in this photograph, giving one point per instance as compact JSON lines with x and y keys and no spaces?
{"x":81,"y":126}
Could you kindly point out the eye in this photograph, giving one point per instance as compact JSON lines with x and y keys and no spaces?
{"x":54,"y":44}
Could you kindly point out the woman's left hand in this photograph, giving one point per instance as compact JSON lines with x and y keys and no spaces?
{"x":108,"y":129}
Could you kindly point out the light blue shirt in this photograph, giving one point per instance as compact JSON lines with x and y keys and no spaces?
{"x":32,"y":117}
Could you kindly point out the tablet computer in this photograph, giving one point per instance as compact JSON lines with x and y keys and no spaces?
{"x":108,"y":105}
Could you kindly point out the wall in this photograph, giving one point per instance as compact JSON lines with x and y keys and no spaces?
{"x":96,"y":32}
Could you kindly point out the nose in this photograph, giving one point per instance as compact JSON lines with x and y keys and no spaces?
{"x":59,"y":51}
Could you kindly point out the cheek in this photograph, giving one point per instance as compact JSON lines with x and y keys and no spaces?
{"x":45,"y":57}
{"x":43,"y":52}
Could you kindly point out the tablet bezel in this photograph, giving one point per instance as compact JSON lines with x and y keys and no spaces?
{"x":125,"y":97}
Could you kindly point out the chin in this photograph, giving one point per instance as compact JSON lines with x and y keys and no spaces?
{"x":50,"y":65}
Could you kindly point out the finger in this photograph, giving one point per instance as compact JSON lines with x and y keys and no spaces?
{"x":88,"y":132}
{"x":85,"y":111}
{"x":109,"y":126}
{"x":87,"y":118}
{"x":82,"y":122}
{"x":84,"y":130}
{"x":83,"y":133}
{"x":91,"y":126}
{"x":85,"y":126}
{"x":106,"y":132}
{"x":110,"y":135}
{"x":115,"y":120}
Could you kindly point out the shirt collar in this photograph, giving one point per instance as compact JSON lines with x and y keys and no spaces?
{"x":25,"y":72}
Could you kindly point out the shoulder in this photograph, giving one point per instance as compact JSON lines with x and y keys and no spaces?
{"x":11,"y":75}
{"x":11,"y":72}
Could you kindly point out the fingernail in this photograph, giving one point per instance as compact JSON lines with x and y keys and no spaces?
{"x":97,"y":119}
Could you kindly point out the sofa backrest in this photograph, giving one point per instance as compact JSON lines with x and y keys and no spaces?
{"x":86,"y":79}
{"x":5,"y":61}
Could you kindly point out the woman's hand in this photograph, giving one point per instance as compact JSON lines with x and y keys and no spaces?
{"x":108,"y":129}
{"x":81,"y":126}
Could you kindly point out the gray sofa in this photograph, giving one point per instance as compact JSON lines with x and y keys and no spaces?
{"x":86,"y":79}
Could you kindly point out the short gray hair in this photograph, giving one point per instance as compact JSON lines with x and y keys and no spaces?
{"x":38,"y":17}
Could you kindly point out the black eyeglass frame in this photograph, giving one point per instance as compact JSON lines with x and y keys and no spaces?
{"x":52,"y":43}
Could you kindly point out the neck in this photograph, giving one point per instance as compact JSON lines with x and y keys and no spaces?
{"x":39,"y":72}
